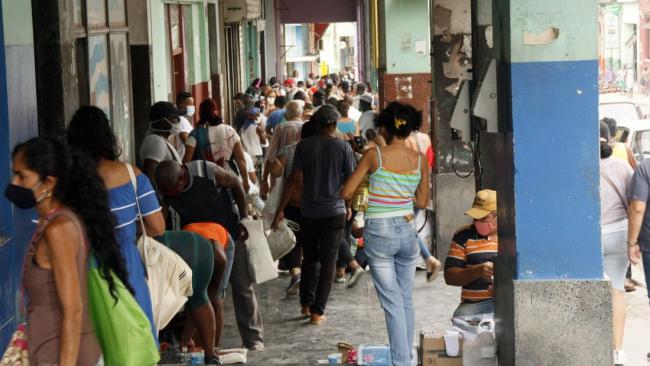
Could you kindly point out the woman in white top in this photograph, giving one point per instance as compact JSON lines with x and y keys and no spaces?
{"x":216,"y":141}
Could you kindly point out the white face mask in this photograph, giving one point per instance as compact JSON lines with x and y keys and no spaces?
{"x":270,"y":100}
{"x":174,"y":128}
{"x":190,"y":110}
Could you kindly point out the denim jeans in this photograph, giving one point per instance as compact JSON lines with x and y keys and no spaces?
{"x":391,"y":245}
{"x":469,"y":315}
{"x":230,"y":257}
{"x":646,"y":267}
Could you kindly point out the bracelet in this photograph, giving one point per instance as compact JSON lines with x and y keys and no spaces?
{"x":632,"y":243}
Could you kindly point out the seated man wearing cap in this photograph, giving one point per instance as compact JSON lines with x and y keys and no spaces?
{"x":471,"y":254}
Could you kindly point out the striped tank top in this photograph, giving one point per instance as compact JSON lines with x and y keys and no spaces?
{"x":391,"y":194}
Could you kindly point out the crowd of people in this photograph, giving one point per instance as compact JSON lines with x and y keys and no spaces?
{"x":316,"y":152}
{"x":316,"y":145}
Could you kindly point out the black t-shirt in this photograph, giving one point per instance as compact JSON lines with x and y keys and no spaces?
{"x":326,"y":163}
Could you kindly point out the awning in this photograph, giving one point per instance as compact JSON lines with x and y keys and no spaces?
{"x":316,"y":11}
{"x":320,"y":29}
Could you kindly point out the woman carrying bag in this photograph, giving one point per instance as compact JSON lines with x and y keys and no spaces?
{"x":90,"y":133}
{"x":73,"y":253}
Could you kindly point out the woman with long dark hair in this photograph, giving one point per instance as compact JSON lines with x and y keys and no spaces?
{"x":74,"y":217}
{"x":90,"y":134}
{"x":399,"y":180}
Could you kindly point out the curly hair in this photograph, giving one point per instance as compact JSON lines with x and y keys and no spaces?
{"x":399,"y":119}
{"x":90,"y":132}
{"x":80,"y":188}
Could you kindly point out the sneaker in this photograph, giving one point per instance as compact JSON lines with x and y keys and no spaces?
{"x":619,"y":357}
{"x":294,"y":286}
{"x":212,"y":360}
{"x":356,"y":276}
{"x":316,"y":319}
{"x":305,"y":311}
{"x":339,"y":279}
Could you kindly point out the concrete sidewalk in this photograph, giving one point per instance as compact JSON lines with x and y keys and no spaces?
{"x":353,"y":316}
{"x":637,"y":325}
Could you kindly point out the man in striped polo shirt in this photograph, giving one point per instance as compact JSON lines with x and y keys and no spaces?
{"x":471,"y":254}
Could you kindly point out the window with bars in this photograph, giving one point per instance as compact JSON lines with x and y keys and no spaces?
{"x":103,"y":66}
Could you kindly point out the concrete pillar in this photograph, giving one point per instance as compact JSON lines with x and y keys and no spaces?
{"x":56,"y":70}
{"x":553,"y":306}
{"x":451,"y":68}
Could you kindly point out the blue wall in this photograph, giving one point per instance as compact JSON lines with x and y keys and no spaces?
{"x":18,"y":122}
{"x":556,"y":162}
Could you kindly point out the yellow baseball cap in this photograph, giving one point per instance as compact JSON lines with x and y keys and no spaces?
{"x":485,"y":202}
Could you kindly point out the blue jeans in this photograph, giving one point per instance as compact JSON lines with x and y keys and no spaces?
{"x":392,"y":250}
{"x":646,"y":267}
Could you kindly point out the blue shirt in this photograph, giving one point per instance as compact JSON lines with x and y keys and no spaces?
{"x":122,"y":200}
{"x":275,"y":118}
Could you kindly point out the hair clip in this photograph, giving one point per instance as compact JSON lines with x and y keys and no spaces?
{"x":399,"y":122}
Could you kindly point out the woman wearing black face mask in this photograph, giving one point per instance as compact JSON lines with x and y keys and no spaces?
{"x":72,"y":206}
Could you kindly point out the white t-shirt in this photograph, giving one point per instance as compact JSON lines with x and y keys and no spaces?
{"x":366,"y":121}
{"x":354,"y":114}
{"x":157,"y":148}
{"x":250,"y":168}
{"x":222,"y":142}
{"x":186,"y":127}
{"x":251,"y":140}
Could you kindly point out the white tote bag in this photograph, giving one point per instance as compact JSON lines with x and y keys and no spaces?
{"x":169,"y":278}
{"x":272,"y":202}
{"x":282,"y":240}
{"x":260,"y":261}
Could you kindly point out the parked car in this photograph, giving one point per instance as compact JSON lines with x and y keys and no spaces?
{"x":620,"y":108}
{"x":636,"y":135}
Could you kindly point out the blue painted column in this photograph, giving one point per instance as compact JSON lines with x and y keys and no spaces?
{"x":549,"y":277}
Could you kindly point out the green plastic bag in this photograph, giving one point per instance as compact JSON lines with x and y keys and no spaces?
{"x":122,"y":328}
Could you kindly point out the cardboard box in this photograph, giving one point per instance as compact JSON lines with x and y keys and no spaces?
{"x":433,"y":353}
{"x":440,"y":359}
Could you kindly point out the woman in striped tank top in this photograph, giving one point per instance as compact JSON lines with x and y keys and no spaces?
{"x":399,"y":180}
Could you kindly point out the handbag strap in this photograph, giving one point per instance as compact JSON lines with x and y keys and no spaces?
{"x":611,"y":183}
{"x":134,"y":183}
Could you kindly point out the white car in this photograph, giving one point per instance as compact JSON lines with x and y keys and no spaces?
{"x":636,"y":135}
{"x":619,"y":108}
